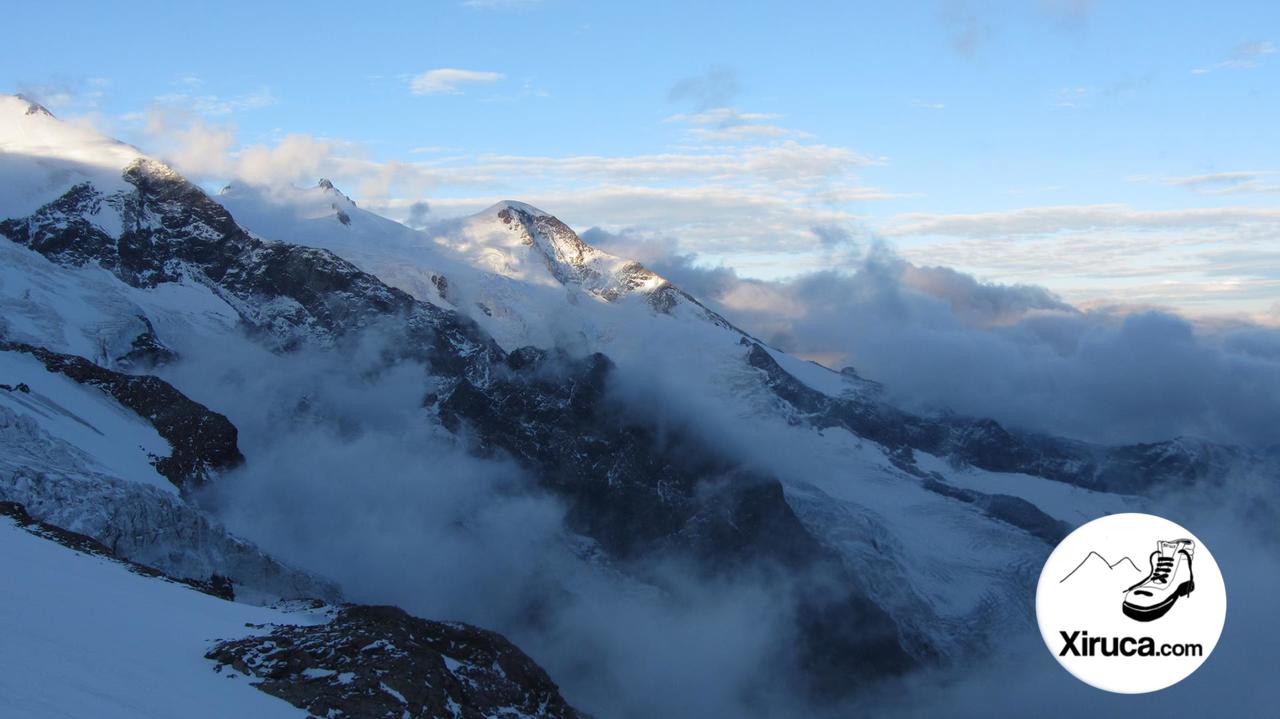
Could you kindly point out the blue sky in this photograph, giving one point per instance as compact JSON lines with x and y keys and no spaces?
{"x":1113,"y":152}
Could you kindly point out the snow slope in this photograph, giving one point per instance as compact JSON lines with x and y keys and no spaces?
{"x":108,"y":437}
{"x":85,"y":637}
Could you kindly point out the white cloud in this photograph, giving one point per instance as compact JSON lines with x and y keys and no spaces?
{"x":1230,"y":183}
{"x":753,"y":203}
{"x":722,"y":117}
{"x":191,"y":145}
{"x":1244,"y":56}
{"x":739,"y":133}
{"x":939,"y":338}
{"x":204,"y":151}
{"x":1205,"y":260}
{"x":789,"y":163}
{"x":1073,"y":96}
{"x":743,"y":225}
{"x":215,"y":105}
{"x":68,"y":96}
{"x":447,"y":80}
{"x":1044,"y":220}
{"x":728,"y":124}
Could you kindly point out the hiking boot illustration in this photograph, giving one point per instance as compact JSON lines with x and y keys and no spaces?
{"x":1169,"y":579}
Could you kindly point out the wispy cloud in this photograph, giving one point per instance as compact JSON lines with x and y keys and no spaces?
{"x":1244,"y":56}
{"x":1230,"y":183}
{"x":728,"y":124}
{"x":743,"y":199}
{"x":1118,"y":252}
{"x":447,"y":80}
{"x":1074,"y":97}
{"x":80,"y":95}
{"x":211,"y":105}
{"x":722,"y":117}
{"x":1043,"y":220}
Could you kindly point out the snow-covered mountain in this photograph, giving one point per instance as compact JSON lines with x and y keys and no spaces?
{"x":669,"y":436}
{"x":528,"y":279}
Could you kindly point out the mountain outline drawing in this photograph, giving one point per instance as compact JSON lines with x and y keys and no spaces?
{"x":1109,"y":565}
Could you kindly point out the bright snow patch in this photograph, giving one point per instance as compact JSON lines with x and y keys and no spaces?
{"x":41,"y":157}
{"x":114,"y":439}
{"x":84,"y":637}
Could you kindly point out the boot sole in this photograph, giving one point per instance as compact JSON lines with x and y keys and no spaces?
{"x":1152,"y":613}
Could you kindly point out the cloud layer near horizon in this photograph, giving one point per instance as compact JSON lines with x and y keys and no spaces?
{"x":749,"y":192}
{"x":940,"y":339}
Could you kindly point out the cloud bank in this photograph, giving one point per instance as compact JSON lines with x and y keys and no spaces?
{"x":348,"y":476}
{"x":940,"y":340}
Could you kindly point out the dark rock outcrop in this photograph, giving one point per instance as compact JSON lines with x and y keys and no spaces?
{"x":146,"y":350}
{"x":381,"y":662}
{"x":1007,"y":508}
{"x":642,"y":495}
{"x":203,"y":442}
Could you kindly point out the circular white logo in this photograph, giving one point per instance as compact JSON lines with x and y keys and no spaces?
{"x":1131,"y":603}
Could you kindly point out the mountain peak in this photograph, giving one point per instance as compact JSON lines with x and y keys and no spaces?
{"x":55,"y":155}
{"x":33,"y":107}
{"x":523,"y":207}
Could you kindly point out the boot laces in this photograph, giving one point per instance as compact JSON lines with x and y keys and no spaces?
{"x":1164,"y":565}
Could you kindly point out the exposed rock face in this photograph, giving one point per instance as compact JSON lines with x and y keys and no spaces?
{"x":574,"y":262}
{"x":1014,"y":510}
{"x":382,"y":662}
{"x":203,"y":441}
{"x":640,"y":496}
{"x":146,"y":350}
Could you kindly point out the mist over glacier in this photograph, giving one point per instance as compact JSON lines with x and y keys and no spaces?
{"x":347,"y":476}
